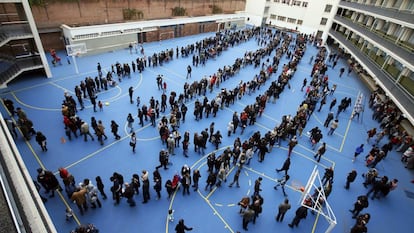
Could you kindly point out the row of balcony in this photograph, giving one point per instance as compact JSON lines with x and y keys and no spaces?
{"x":400,"y":52}
{"x":395,"y":27}
{"x":402,"y":89}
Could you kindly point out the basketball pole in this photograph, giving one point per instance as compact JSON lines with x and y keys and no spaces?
{"x":76,"y":64}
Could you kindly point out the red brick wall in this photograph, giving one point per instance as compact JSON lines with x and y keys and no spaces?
{"x":90,"y":12}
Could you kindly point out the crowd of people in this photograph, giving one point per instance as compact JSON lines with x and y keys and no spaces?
{"x":85,"y":194}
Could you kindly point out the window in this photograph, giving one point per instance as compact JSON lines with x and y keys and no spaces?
{"x":281,"y":18}
{"x":296,"y":3}
{"x":291,"y":20}
{"x":299,"y":22}
{"x":272,"y":16}
{"x":328,"y":8}
{"x":323,"y":21}
{"x":304,"y":4}
{"x":286,"y":2}
{"x":276,"y":1}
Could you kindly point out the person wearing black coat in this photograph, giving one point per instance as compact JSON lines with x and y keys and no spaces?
{"x":350,"y":178}
{"x":41,"y":140}
{"x":181,"y":227}
{"x":301,"y":213}
{"x":359,"y":205}
{"x":285,"y":167}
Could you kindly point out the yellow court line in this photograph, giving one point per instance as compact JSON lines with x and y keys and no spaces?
{"x":26,"y":141}
{"x":345,"y":136}
{"x":219,"y":216}
{"x":317,"y":119}
{"x":60,"y":79}
{"x":60,"y":87}
{"x":315,"y":223}
{"x":272,"y":179}
{"x":346,"y":93}
{"x":68,"y":206}
{"x":331,"y":147}
{"x":43,"y":167}
{"x":32,"y":107}
{"x":94,"y":153}
{"x":264,"y":114}
{"x":306,"y":157}
{"x":313,"y":152}
{"x":215,"y":187}
{"x":346,"y":131}
{"x":173,"y":72}
{"x":165,"y":77}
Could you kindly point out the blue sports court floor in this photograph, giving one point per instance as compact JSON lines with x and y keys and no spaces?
{"x":215,"y":211}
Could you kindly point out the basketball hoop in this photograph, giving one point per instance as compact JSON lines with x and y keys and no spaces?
{"x":297,"y":185}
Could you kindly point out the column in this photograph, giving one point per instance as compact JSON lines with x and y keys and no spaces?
{"x":36,"y":37}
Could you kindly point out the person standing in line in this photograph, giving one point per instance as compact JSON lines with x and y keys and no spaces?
{"x":371,"y":133}
{"x":41,"y":140}
{"x":196,"y":179}
{"x":350,"y":178}
{"x":129,"y":194}
{"x":292,"y":143}
{"x":114,"y":129}
{"x":99,"y":134}
{"x":334,"y":125}
{"x":321,"y":151}
{"x":328,"y":119}
{"x":211,"y":180}
{"x":131,"y":93}
{"x":102,"y":129}
{"x":157,"y":188}
{"x":92,"y":98}
{"x":100,"y":186}
{"x":133,"y":141}
{"x":85,"y":131}
{"x":301,"y":213}
{"x":79,"y":197}
{"x":181,"y":227}
{"x":236,"y":179}
{"x":322,"y":103}
{"x":130,"y":121}
{"x":358,"y":151}
{"x":248,"y":216}
{"x":359,"y":205}
{"x":257,"y":184}
{"x":145,"y":186}
{"x":164,"y":87}
{"x":186,"y":182}
{"x":285,"y":167}
{"x":333,"y":102}
{"x":283,"y":208}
